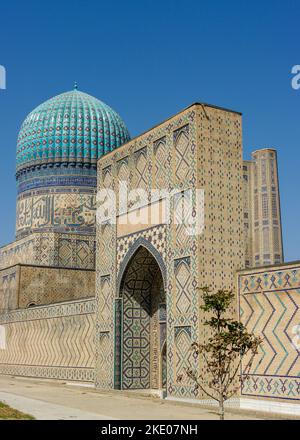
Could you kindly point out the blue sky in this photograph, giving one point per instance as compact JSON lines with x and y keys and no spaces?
{"x":148,"y":60}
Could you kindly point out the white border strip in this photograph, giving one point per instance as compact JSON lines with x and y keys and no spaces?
{"x":270,"y":406}
{"x":250,"y":404}
{"x":234,"y":403}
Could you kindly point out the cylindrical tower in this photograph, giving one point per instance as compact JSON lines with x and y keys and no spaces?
{"x":266,"y":220}
{"x":58,"y":147}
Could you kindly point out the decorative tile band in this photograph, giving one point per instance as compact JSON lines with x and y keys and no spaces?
{"x":272,"y":387}
{"x":272,"y":279}
{"x":53,"y":311}
{"x":59,"y":373}
{"x":58,"y":181}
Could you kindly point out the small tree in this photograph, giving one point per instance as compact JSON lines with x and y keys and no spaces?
{"x":227,"y":346}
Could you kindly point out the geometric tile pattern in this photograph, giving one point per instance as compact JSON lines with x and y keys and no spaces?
{"x":158,"y":367}
{"x":183,"y":350}
{"x":14,"y":253}
{"x":22,"y":286}
{"x":123,"y":170}
{"x":183,"y":219}
{"x":182,"y":153}
{"x":183,"y":280}
{"x":104,"y":302}
{"x":9,"y":282}
{"x":41,"y":285}
{"x":273,"y":387}
{"x":118,"y":346}
{"x":199,"y":148}
{"x":105,"y":282}
{"x":272,"y":279}
{"x":80,"y":307}
{"x":103,"y":339}
{"x":44,"y":341}
{"x":137,"y":312}
{"x":75,"y":251}
{"x":141,"y":165}
{"x":106,"y":237}
{"x":48,"y":372}
{"x":51,"y":249}
{"x":153,"y":235}
{"x":107,"y":177}
{"x":270,"y":308}
{"x":161,"y":158}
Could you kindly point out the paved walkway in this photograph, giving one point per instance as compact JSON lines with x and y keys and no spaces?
{"x":47,"y":411}
{"x":51,"y":400}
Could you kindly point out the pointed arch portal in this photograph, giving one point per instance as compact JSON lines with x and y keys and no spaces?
{"x":140,"y":339}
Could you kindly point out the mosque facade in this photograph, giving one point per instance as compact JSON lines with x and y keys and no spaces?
{"x":112,"y":296}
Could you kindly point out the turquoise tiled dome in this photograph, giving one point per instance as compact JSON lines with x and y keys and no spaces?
{"x":72,"y":129}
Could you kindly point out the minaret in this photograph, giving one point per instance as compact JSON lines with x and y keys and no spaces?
{"x":266,"y":231}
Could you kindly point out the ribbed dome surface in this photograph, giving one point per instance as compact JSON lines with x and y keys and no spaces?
{"x":73,"y":128}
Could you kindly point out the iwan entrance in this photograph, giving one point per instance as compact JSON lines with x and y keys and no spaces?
{"x":141,"y":326}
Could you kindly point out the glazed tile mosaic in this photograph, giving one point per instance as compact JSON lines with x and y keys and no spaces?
{"x":118,"y":304}
{"x":270,"y":307}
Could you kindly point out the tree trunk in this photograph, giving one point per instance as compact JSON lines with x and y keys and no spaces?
{"x":221,"y":404}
